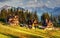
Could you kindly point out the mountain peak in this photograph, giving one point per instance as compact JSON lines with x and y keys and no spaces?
{"x":6,"y":6}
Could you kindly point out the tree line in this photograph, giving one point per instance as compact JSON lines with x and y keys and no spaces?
{"x":25,"y":15}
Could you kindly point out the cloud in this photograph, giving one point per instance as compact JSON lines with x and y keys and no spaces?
{"x":4,"y":0}
{"x":52,"y":3}
{"x":31,"y":3}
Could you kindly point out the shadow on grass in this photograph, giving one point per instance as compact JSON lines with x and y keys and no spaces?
{"x":9,"y":35}
{"x":27,"y":36}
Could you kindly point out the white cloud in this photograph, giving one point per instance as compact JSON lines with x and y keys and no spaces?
{"x":52,"y":3}
{"x":35,"y":0}
{"x":32,"y":3}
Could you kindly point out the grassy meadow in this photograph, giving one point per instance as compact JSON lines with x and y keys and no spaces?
{"x":7,"y":31}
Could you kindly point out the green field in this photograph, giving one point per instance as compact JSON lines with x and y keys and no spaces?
{"x":7,"y":31}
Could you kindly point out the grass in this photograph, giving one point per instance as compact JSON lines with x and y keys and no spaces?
{"x":4,"y":36}
{"x":7,"y":36}
{"x":22,"y":32}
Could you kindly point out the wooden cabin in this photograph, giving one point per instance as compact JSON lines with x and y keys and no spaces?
{"x":14,"y":20}
{"x":34,"y":24}
{"x":49,"y":25}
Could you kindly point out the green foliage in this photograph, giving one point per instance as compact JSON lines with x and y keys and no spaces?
{"x":35,"y":15}
{"x":59,"y":18}
{"x":2,"y":20}
{"x":45,"y":16}
{"x":23,"y":15}
{"x":3,"y":13}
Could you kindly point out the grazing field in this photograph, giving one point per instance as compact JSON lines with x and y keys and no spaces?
{"x":4,"y":36}
{"x":7,"y":31}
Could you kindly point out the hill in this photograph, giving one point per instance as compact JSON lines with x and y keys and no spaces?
{"x":22,"y":32}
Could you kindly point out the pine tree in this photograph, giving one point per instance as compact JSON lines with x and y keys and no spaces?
{"x":3,"y":15}
{"x":35,"y":16}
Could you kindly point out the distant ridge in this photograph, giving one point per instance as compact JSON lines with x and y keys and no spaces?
{"x":40,"y":10}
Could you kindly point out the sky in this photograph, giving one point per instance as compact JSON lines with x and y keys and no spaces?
{"x":31,"y":3}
